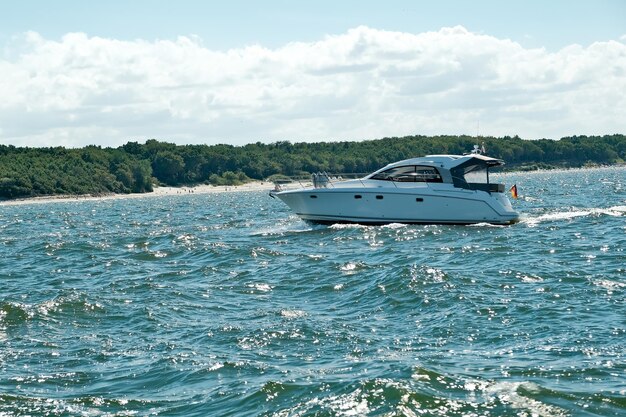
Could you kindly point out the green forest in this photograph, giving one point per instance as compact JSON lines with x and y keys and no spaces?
{"x":137,"y":168}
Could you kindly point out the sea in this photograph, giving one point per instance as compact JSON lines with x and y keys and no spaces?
{"x":229,"y":305}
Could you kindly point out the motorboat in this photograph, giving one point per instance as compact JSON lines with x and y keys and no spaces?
{"x":434,"y":189}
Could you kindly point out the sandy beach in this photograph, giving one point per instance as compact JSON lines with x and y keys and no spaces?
{"x":158,"y":192}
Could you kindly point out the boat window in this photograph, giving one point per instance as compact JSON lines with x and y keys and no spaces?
{"x":473,"y":174}
{"x":409,"y":173}
{"x":358,"y":196}
{"x":477,"y":174}
{"x":427,"y":174}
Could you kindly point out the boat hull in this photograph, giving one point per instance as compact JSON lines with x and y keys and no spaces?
{"x":384,"y":206}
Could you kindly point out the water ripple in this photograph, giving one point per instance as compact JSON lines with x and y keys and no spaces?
{"x":228,"y":304}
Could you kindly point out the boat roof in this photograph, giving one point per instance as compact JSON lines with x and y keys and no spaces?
{"x":450,"y":161}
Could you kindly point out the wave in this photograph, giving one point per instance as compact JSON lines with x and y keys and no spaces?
{"x":85,"y":405}
{"x":291,"y":225}
{"x":428,"y":394}
{"x":348,"y":226}
{"x":486,"y":225}
{"x":615,"y":211}
{"x":75,"y":305}
{"x":323,"y":392}
{"x":12,"y":313}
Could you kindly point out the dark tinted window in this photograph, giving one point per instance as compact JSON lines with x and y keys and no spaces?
{"x":409,"y":173}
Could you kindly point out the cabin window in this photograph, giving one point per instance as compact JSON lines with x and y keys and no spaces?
{"x":379,"y":197}
{"x":419,"y":199}
{"x":427,"y":174}
{"x":358,"y":196}
{"x":410,"y":173}
{"x":313,"y":196}
{"x":473,"y":174}
{"x":477,"y":174}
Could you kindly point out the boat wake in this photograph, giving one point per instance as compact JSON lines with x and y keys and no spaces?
{"x":486,"y":225}
{"x":615,"y":211}
{"x":342,"y":226}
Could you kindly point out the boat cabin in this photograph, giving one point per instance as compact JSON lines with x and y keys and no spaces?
{"x":470,"y":172}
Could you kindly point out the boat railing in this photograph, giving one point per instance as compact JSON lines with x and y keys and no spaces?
{"x":321,"y":180}
{"x":324,"y":180}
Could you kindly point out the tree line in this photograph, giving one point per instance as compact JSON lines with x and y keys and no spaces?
{"x":136,"y":167}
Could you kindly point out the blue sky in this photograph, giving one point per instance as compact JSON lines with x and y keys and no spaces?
{"x":227,"y":24}
{"x":105,"y":72}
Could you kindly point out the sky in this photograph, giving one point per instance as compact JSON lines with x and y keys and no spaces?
{"x":75,"y":73}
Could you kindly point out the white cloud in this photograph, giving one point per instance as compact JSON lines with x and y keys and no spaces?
{"x":366,"y":83}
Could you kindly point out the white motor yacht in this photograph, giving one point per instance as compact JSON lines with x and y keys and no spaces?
{"x":448,"y":189}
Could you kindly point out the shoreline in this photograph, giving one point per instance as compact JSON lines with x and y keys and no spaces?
{"x":157,"y":192}
{"x":250,"y":186}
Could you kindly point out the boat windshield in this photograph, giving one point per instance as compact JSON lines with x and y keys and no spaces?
{"x":409,"y":173}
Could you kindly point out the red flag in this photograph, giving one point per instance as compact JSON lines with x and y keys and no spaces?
{"x":513,"y":191}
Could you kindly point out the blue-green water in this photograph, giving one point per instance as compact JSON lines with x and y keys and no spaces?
{"x":228,"y":305}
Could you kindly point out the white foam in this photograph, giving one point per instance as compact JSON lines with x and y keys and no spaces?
{"x":341,"y":226}
{"x":615,"y":211}
{"x":508,"y":393}
{"x":485,"y":225}
{"x":292,"y":314}
{"x":609,"y":285}
{"x":262,"y":287}
{"x":618,"y":209}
